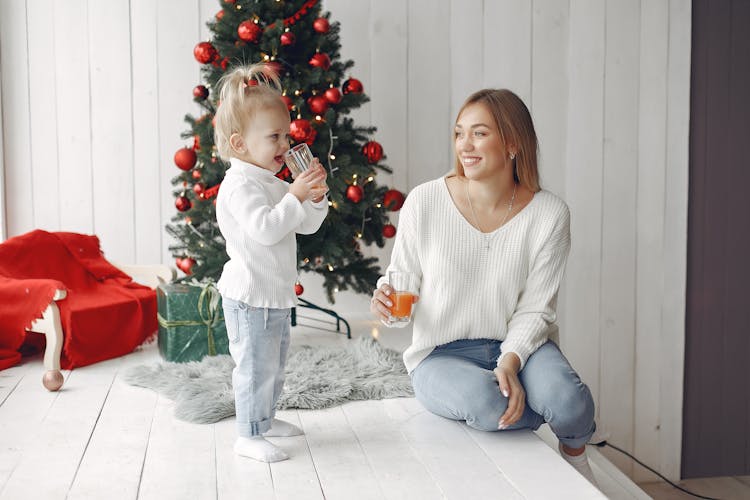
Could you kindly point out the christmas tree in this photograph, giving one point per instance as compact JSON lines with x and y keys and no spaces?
{"x":301,"y":45}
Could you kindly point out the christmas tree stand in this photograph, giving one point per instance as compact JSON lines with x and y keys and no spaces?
{"x":330,"y":312}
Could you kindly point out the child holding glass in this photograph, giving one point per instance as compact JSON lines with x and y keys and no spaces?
{"x":259,"y":215}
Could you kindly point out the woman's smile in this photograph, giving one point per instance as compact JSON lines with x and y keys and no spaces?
{"x":470,"y":161}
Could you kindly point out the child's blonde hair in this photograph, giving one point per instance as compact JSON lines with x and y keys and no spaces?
{"x":242,"y":92}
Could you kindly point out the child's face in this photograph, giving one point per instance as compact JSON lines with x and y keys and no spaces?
{"x":266,"y":138}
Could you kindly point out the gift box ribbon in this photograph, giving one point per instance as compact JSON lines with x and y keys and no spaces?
{"x":208,"y":310}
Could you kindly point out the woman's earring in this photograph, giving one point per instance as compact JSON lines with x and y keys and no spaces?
{"x":513,"y":156}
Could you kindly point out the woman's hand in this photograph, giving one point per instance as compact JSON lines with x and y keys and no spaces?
{"x":510,"y":386}
{"x":380,"y":303}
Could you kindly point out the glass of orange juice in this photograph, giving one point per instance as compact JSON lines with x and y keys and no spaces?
{"x":404,"y":295}
{"x":298,"y":159}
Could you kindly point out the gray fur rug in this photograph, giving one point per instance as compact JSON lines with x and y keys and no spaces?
{"x":316,"y":377}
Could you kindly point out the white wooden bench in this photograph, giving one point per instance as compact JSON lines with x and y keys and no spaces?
{"x":49,"y":324}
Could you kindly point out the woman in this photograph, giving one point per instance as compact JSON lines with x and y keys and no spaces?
{"x":488,"y":247}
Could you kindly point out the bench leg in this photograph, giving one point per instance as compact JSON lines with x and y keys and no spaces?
{"x":51,"y":327}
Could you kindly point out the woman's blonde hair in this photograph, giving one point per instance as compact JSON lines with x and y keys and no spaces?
{"x":242,"y":92}
{"x":514,"y":123}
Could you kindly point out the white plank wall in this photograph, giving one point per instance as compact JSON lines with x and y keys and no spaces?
{"x":44,"y":173}
{"x":428,"y":105}
{"x":177,"y":32}
{"x":583,"y":191}
{"x":507,"y":46}
{"x":650,"y":255}
{"x":149,"y":195}
{"x":619,"y":184}
{"x":388,"y":87}
{"x":74,"y":118}
{"x":466,"y":68}
{"x":111,"y":142}
{"x":674,"y":242}
{"x":3,"y":216}
{"x":14,"y":93}
{"x":93,"y":96}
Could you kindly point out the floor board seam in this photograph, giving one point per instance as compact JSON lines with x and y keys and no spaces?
{"x":91,"y":434}
{"x":312,"y":458}
{"x":145,"y":451}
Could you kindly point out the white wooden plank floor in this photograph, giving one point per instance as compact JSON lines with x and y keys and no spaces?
{"x":101,"y":438}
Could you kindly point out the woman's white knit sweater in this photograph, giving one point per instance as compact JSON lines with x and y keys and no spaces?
{"x":258,"y":218}
{"x":507,"y":292}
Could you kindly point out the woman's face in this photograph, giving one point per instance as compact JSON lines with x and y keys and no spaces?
{"x":479,"y":147}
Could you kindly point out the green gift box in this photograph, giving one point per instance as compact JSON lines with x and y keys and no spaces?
{"x":191,"y":322}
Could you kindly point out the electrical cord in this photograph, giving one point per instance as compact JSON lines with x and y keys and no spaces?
{"x":605,"y":443}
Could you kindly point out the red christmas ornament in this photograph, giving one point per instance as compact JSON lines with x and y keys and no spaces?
{"x":249,"y":31}
{"x":200,"y":92}
{"x":211,"y":192}
{"x":288,"y":102}
{"x":373,"y":151}
{"x":197,"y":142}
{"x":185,"y":158}
{"x":389,"y":230}
{"x":198,"y":188}
{"x":185,"y":264}
{"x":318,"y":104}
{"x":220,"y":15}
{"x":298,"y":289}
{"x":321,"y":25}
{"x":354,"y":193}
{"x":183,"y":204}
{"x":288,"y":38}
{"x":204,"y":52}
{"x":197,"y":174}
{"x":393,"y":200}
{"x":300,"y":130}
{"x":320,"y":60}
{"x":311,"y":138}
{"x":352,"y":86}
{"x":332,"y":95}
{"x":284,"y":173}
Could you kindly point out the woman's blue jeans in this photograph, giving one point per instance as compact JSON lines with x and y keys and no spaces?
{"x":258,"y":343}
{"x":456,"y":381}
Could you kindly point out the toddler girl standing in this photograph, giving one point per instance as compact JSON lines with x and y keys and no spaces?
{"x":258,"y":215}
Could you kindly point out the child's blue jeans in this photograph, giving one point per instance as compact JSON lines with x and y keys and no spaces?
{"x":456,"y":381}
{"x":258,"y":343}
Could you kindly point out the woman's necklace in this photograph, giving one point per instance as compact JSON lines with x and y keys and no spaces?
{"x":476,"y":220}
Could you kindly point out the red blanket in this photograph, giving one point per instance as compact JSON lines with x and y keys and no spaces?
{"x":104,"y":315}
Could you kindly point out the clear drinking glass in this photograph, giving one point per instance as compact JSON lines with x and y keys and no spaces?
{"x":404,"y":295}
{"x":298,"y":159}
